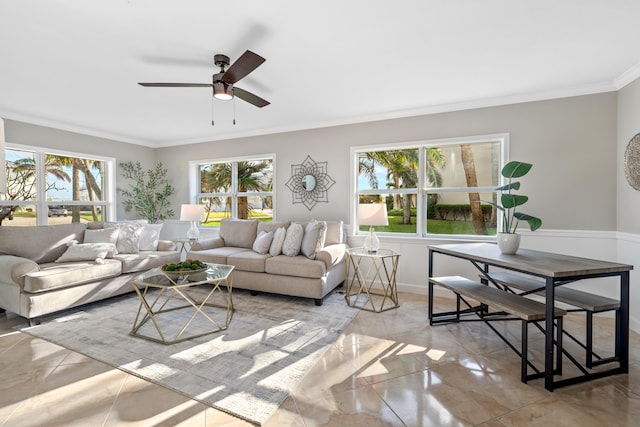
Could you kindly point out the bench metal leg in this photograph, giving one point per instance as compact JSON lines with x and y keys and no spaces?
{"x":430,"y":309}
{"x":559,"y":346}
{"x":524,"y":351}
{"x":589,"y":339}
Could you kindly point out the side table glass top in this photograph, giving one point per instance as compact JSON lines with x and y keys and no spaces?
{"x":380,"y":253}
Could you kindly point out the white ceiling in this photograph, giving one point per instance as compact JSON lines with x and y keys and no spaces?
{"x":75,"y":64}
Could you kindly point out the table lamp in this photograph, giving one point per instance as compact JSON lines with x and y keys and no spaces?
{"x":372,"y":214}
{"x":192,"y":213}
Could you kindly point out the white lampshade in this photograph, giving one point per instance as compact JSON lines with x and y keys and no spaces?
{"x":373,"y":214}
{"x":192,"y":213}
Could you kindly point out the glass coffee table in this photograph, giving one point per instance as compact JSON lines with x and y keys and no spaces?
{"x":172,"y":303}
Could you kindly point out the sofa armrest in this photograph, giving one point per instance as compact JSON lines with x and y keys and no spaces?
{"x":14,"y":268}
{"x":167,"y":245}
{"x":215,"y":242}
{"x":332,"y":254}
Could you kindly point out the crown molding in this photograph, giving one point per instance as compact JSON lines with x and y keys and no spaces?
{"x":627,"y":77}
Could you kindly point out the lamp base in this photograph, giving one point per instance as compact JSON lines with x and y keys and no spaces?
{"x":193,"y":233}
{"x":371,"y":241}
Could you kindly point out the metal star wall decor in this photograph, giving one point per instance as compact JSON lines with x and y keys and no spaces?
{"x":309,"y":183}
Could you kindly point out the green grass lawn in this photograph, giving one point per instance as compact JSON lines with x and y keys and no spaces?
{"x":434,"y":226}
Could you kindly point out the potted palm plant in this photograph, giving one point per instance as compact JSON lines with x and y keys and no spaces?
{"x":508,"y":239}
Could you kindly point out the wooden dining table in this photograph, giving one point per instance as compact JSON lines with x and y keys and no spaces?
{"x":556,"y":270}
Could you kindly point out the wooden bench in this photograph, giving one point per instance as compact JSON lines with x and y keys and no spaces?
{"x":512,"y":304}
{"x":584,"y":301}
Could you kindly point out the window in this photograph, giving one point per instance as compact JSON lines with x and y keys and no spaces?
{"x":51,"y":188}
{"x":433,"y":187}
{"x":236,"y":188}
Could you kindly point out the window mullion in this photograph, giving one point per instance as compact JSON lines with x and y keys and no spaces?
{"x":421,"y":205}
{"x":42,"y":208}
{"x":234,"y":189}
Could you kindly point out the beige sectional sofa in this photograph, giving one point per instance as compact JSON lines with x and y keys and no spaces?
{"x":45,"y":269}
{"x":314,"y":261}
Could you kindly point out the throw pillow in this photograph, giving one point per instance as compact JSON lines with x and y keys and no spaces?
{"x":149,"y":237}
{"x":313,"y":239}
{"x":263,"y":242}
{"x":105,"y":235}
{"x":277,"y":242}
{"x":128,"y":236}
{"x":85,"y":252}
{"x":293,"y":240}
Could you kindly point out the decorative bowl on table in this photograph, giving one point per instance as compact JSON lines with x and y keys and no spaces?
{"x":184,"y":268}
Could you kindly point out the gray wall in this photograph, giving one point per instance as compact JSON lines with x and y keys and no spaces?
{"x":628,"y":211}
{"x":570,"y":141}
{"x":41,"y":136}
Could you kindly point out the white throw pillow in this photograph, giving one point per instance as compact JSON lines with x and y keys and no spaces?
{"x":86,"y":252}
{"x":293,"y":240}
{"x":263,"y":242}
{"x":278,"y":240}
{"x":313,"y":239}
{"x":149,"y":237}
{"x":105,"y":235}
{"x":128,"y":237}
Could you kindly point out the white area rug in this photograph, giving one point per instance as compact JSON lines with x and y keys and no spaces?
{"x":247,"y":370}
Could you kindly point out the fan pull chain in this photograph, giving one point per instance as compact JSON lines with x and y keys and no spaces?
{"x":234,"y":110}
{"x":212,"y":111}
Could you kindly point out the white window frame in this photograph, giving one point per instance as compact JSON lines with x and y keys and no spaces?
{"x":422,"y":190}
{"x":194,"y":181}
{"x":41,"y":203}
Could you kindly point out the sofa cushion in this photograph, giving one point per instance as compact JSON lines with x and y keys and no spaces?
{"x":299,"y":266}
{"x":277,"y":242}
{"x":335,"y":234}
{"x":248,"y":261}
{"x":263,"y":242}
{"x":87,"y":252}
{"x":54,"y":276}
{"x":240,"y":233}
{"x":293,"y":240}
{"x":105,"y":235}
{"x":13,"y":269}
{"x":216,"y":255}
{"x":149,"y":237}
{"x":313,"y":238}
{"x":145,"y":260}
{"x":273,"y":225}
{"x":42,"y":243}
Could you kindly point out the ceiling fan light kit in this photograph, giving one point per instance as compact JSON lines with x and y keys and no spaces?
{"x":222,"y":91}
{"x":224,"y":81}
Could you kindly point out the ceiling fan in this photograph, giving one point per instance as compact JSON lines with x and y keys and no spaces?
{"x":224,"y":81}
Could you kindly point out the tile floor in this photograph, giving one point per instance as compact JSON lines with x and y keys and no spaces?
{"x":387,"y":369}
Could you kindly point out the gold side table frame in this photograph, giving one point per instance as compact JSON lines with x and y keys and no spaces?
{"x":371,"y":279}
{"x":178,"y":288}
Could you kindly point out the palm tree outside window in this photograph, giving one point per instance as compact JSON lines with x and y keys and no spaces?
{"x":236,"y":189}
{"x":433,"y":187}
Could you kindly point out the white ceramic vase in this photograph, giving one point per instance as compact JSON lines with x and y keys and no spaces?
{"x":508,"y":243}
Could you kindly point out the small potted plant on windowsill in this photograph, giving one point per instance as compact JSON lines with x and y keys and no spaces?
{"x":508,"y":239}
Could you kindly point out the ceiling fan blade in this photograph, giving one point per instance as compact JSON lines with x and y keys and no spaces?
{"x":248,"y":62}
{"x":249,"y":97}
{"x":175,"y":84}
